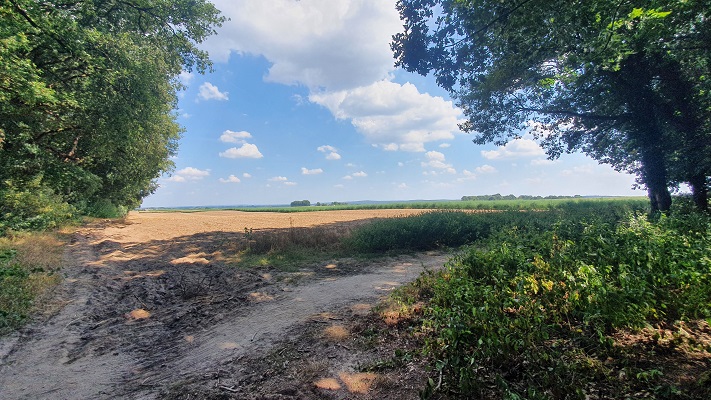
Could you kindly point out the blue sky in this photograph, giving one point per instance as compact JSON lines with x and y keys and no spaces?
{"x":305,"y":104}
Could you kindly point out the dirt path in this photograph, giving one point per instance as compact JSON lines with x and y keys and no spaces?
{"x":148,"y":305}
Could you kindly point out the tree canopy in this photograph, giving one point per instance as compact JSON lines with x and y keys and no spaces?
{"x":626,"y":82}
{"x":87,"y":95}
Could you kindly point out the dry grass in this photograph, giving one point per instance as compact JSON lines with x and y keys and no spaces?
{"x":28,"y":274}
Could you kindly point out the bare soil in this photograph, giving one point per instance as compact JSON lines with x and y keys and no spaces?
{"x":151,"y":308}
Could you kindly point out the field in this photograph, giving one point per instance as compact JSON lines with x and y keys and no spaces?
{"x":573,"y":300}
{"x":157,"y":300}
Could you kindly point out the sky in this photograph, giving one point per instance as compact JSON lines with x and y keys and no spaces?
{"x":305,"y":103}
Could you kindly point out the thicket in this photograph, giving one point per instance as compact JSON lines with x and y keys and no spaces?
{"x":529,"y":310}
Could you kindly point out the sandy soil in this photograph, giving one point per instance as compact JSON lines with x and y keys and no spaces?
{"x":148,"y":311}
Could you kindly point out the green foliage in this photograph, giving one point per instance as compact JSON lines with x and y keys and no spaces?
{"x":32,"y":207}
{"x":542,"y":302}
{"x":444,"y":228}
{"x":104,"y":208}
{"x":87,"y":93}
{"x":300,"y":203}
{"x":624,"y":82}
{"x":14,"y":299}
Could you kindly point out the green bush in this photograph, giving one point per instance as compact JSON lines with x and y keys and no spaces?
{"x":528,"y":312}
{"x":104,"y":208}
{"x":32,"y":208}
{"x":447,"y":228}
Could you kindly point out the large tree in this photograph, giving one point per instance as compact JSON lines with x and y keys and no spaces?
{"x":625,"y":81}
{"x":88,"y":92}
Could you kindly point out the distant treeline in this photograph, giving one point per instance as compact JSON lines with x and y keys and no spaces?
{"x":497,"y":196}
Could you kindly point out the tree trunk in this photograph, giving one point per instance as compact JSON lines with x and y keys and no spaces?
{"x":700,"y":192}
{"x":654,"y":174}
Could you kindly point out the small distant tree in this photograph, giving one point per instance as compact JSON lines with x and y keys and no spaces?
{"x":300,"y":203}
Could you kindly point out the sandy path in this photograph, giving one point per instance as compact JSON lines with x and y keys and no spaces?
{"x":93,"y":348}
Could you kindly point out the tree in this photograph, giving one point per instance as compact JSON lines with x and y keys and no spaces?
{"x":88,"y":92}
{"x":597,"y":76}
{"x":300,"y":203}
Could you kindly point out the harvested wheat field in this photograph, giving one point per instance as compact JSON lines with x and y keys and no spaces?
{"x":151,"y":307}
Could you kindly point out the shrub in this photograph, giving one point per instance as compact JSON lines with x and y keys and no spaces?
{"x":32,"y":207}
{"x":528,"y":312}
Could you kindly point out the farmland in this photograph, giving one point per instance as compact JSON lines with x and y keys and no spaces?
{"x":592,"y":298}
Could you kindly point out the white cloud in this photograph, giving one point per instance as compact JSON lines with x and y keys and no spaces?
{"x":485,"y":169}
{"x":393,"y":116}
{"x":278,"y":179}
{"x":326,"y":148}
{"x":332,"y":152}
{"x":445,"y":145}
{"x":320,"y":44}
{"x":186,"y":77}
{"x":466,"y":176}
{"x":515,"y":149}
{"x":436,"y":160}
{"x":246,"y":175}
{"x":247,"y":150}
{"x":229,"y":136}
{"x":230,"y":179}
{"x":360,"y":174}
{"x":306,"y":171}
{"x":348,"y":177}
{"x":543,"y":161}
{"x":189,"y":174}
{"x":208,"y":91}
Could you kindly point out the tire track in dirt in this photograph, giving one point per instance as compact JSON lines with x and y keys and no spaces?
{"x":90,"y":349}
{"x":266,"y":322}
{"x":39,"y":364}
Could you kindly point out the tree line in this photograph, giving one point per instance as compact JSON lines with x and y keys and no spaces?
{"x":87,"y":98}
{"x":625,"y":82}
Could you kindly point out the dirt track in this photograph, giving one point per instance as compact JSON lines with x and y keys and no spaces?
{"x":148,"y":307}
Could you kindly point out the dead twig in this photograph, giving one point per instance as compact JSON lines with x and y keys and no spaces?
{"x":229,"y":389}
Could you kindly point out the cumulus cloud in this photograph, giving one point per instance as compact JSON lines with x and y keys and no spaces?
{"x":278,"y":179}
{"x":338,"y":49}
{"x":208,"y":91}
{"x":186,"y":77}
{"x":246,"y":175}
{"x":393,"y":116}
{"x":189,"y":174}
{"x":332,"y":152}
{"x":485,"y":169}
{"x":466,"y":176}
{"x":320,"y":44}
{"x":436,"y":160}
{"x":515,"y":149}
{"x":360,"y":174}
{"x":306,"y":171}
{"x":229,"y":136}
{"x":247,"y":150}
{"x":230,"y":179}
